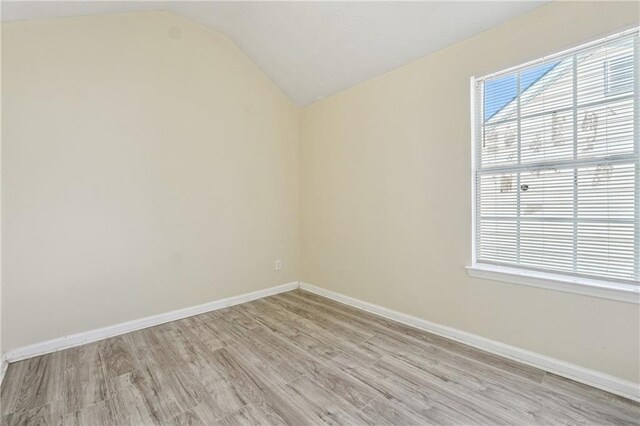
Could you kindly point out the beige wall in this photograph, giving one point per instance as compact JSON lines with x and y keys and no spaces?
{"x":386,"y":203}
{"x":148,"y":165}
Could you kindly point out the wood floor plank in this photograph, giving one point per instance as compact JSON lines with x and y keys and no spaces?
{"x":41,"y":383}
{"x":188,"y":418}
{"x":35,"y":416}
{"x":298,"y":359}
{"x":358,"y":394}
{"x":254,"y":415}
{"x":389,"y":411}
{"x":253,"y":389}
{"x":84,"y":380}
{"x":99,"y":414}
{"x":331,"y":333}
{"x":129,"y":407}
{"x":398,"y":391}
{"x":301,"y":339}
{"x":11,"y":385}
{"x":463,"y":400}
{"x":406,"y":393}
{"x":591,"y":395}
{"x":327,"y":407}
{"x":237,"y":317}
{"x":116,"y":357}
{"x":411,"y":336}
{"x":159,"y":400}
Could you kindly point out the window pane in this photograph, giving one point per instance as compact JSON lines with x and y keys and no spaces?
{"x":595,"y":73}
{"x":547,"y":245}
{"x":497,"y":241}
{"x":553,"y":91}
{"x":498,"y":93}
{"x":547,"y":193}
{"x":498,"y":195}
{"x":500,"y":145}
{"x":606,"y":250}
{"x":606,"y":192}
{"x":547,"y":137}
{"x":605,"y":129}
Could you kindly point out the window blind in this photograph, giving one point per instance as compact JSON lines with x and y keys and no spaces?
{"x":556,"y":171}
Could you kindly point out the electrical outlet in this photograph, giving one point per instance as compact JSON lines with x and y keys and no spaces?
{"x":278,"y":265}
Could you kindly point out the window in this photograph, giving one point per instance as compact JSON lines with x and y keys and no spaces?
{"x":556,"y":164}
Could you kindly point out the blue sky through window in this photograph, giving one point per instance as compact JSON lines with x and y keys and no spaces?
{"x":500,"y":91}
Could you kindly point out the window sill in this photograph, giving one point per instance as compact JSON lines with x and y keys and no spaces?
{"x":584,"y":286}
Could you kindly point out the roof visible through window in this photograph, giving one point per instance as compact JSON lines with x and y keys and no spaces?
{"x":501,"y":91}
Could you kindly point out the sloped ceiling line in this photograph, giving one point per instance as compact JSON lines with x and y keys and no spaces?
{"x":312,"y":50}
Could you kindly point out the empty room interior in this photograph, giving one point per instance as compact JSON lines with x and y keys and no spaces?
{"x":315,"y":212}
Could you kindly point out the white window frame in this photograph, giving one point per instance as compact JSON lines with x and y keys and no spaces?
{"x":547,"y":280}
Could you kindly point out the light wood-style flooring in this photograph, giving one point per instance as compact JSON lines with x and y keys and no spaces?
{"x":297,"y":359}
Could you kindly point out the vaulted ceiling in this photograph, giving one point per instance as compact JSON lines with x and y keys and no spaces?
{"x":312,"y":50}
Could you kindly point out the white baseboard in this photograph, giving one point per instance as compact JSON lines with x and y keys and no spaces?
{"x":78,"y":339}
{"x":587,"y":376}
{"x":584,"y":375}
